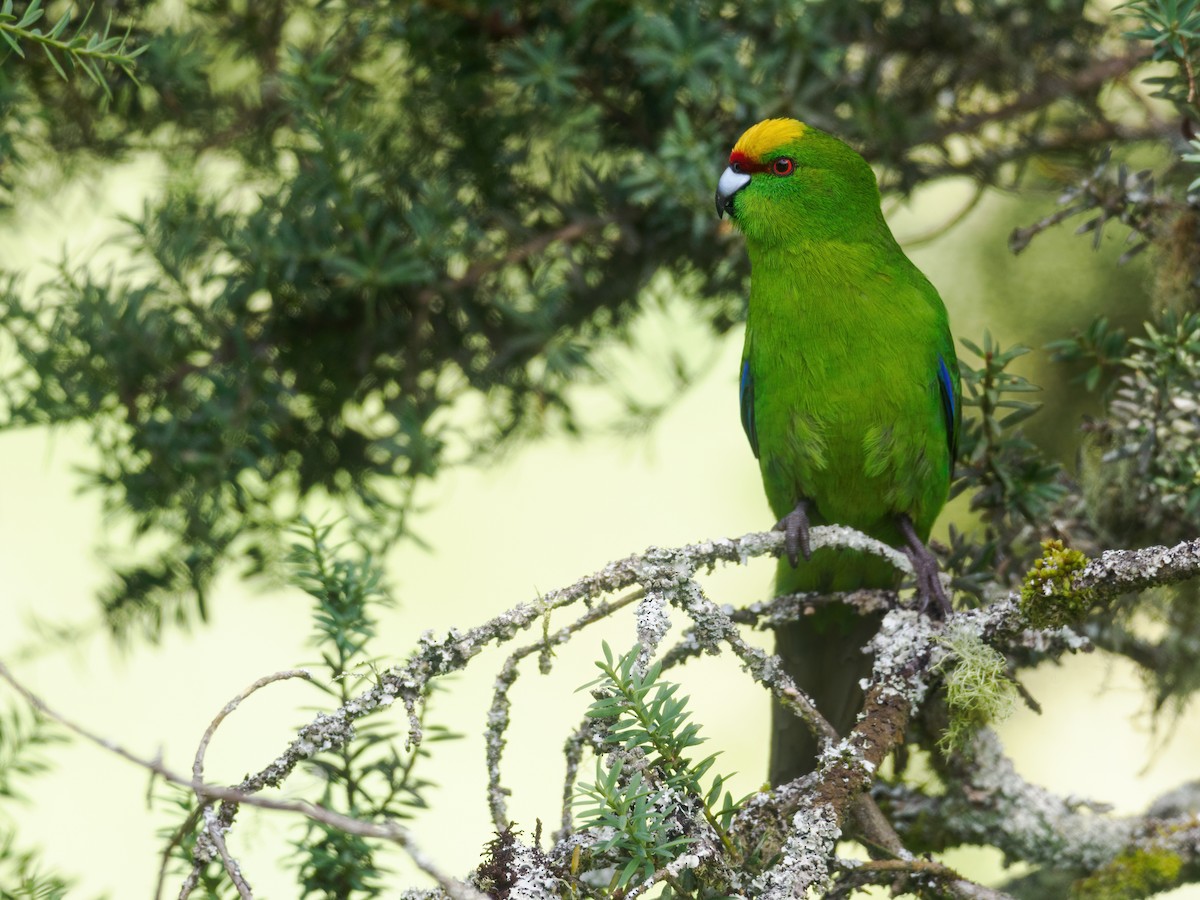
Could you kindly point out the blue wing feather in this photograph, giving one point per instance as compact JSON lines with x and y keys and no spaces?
{"x":746,"y":398}
{"x":949,"y":407}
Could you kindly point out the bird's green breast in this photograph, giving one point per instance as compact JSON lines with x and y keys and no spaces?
{"x":843,"y":344}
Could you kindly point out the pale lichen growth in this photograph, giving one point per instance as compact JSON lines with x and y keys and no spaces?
{"x":846,"y":755}
{"x":653,"y":623}
{"x":903,"y":634}
{"x":852,"y":539}
{"x":1124,"y":571}
{"x":529,"y":876}
{"x":804,"y":860}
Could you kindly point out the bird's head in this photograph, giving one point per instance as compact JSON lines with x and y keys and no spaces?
{"x":788,"y":182}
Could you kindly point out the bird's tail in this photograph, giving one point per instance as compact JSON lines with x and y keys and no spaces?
{"x":823,"y":654}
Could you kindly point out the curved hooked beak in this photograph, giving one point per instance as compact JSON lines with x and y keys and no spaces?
{"x":731,"y":182}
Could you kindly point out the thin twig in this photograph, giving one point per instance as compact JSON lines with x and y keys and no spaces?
{"x":198,"y":762}
{"x":212,"y":824}
{"x":232,"y":869}
{"x":498,"y":712}
{"x":198,"y":773}
{"x":387,"y":831}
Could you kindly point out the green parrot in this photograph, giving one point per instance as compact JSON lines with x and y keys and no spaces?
{"x":850,"y":397}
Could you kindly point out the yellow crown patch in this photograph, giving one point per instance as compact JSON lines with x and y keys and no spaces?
{"x":768,"y":135}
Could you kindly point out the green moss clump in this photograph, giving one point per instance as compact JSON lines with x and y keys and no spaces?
{"x":1047,"y":598}
{"x":978,"y":689}
{"x":1133,"y":874}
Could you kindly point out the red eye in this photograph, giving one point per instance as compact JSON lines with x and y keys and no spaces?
{"x":783,"y":166}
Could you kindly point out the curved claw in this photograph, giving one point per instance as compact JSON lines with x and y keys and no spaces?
{"x":795,"y":529}
{"x":932,"y":596}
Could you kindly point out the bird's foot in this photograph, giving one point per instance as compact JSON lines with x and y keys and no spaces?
{"x":795,"y":529}
{"x":931,"y":594}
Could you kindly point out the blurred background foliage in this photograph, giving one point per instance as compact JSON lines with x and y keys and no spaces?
{"x":398,"y":237}
{"x":393,"y":236}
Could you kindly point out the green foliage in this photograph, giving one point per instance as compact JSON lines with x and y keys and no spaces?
{"x":1012,"y":483}
{"x":1194,"y":143}
{"x":1157,"y":211}
{"x":36,"y":88}
{"x":1048,"y":598}
{"x":1150,"y":434}
{"x":1173,"y":28}
{"x":647,"y":790}
{"x":1139,"y":467}
{"x":336,"y":864}
{"x":345,"y":590}
{"x":22,"y":875}
{"x":368,"y":778}
{"x":1139,"y":483}
{"x":24,"y":738}
{"x":979,"y":691}
{"x":1002,"y":465}
{"x":1100,"y":348}
{"x":1132,"y":875}
{"x":82,"y":50}
{"x":646,"y":831}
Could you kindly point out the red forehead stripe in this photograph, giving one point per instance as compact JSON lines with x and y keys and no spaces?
{"x":738,"y":158}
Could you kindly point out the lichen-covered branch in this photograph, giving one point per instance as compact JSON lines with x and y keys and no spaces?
{"x":1119,"y":572}
{"x":803,"y":821}
{"x":498,"y":713}
{"x":986,"y":801}
{"x":855,"y":874}
{"x":780,"y":842}
{"x":387,"y":831}
{"x":816,"y":806}
{"x":434,"y":658}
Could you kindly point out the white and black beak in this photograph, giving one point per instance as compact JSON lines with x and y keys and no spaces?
{"x":731,"y":182}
